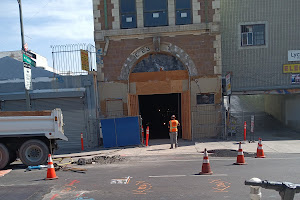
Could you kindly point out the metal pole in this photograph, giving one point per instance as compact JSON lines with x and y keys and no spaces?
{"x":27,"y":97}
{"x":21,"y":24}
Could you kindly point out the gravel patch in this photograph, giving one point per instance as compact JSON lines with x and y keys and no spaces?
{"x":228,"y":153}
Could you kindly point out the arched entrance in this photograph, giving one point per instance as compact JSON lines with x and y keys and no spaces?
{"x":158,"y":86}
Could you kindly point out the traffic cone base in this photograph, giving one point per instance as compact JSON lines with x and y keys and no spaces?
{"x":240,"y":160}
{"x":206,"y":166}
{"x":208,"y":173}
{"x":241,"y":163}
{"x":52,"y":178}
{"x":260,"y":151}
{"x":51,"y":175}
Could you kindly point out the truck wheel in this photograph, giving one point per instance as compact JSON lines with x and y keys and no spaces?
{"x":12,"y":156}
{"x":33,"y":152}
{"x":4,"y":156}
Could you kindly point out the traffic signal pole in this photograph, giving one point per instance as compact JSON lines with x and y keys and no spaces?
{"x":23,"y":50}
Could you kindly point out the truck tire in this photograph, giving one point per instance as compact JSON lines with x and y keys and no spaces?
{"x":33,"y":153}
{"x":12,"y":156}
{"x":4,"y":156}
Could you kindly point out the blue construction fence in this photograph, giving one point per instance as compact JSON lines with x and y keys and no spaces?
{"x":118,"y":132}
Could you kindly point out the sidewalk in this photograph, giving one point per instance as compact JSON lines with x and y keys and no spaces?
{"x":162,"y":147}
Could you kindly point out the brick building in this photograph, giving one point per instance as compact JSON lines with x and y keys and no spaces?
{"x":161,"y":57}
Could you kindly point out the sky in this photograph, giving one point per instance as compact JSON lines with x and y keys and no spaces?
{"x":46,"y":23}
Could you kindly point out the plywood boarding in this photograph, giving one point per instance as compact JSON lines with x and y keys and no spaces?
{"x":159,"y":76}
{"x":186,"y":115}
{"x":133,"y":105}
{"x":153,"y":87}
{"x":25,"y":113}
{"x":159,"y":87}
{"x":114,"y":108}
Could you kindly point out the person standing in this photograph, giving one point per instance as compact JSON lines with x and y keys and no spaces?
{"x":173,"y":131}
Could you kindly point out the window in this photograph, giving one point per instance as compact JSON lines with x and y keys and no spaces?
{"x":183,"y":12}
{"x":155,"y":13}
{"x":253,"y":35}
{"x":128,"y":14}
{"x":205,"y":98}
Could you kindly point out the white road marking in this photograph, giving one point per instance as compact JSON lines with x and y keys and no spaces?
{"x":198,"y":160}
{"x":211,"y":175}
{"x":216,"y":159}
{"x":171,"y":176}
{"x":166,"y":176}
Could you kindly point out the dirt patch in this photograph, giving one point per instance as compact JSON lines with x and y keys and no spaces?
{"x":227,"y":153}
{"x":103,"y":160}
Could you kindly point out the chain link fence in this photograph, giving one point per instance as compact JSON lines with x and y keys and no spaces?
{"x":208,"y":121}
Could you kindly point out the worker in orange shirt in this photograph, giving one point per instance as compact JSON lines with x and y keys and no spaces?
{"x":173,"y":131}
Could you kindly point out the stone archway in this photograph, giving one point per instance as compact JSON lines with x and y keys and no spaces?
{"x":164,"y":48}
{"x":155,"y":81}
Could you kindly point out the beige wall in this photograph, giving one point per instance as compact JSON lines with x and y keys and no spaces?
{"x":285,"y":108}
{"x":206,"y":118}
{"x":274,"y":105}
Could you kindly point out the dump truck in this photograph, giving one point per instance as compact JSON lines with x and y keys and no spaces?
{"x":29,"y":135}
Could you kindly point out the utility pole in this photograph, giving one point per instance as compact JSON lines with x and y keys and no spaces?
{"x":23,"y":51}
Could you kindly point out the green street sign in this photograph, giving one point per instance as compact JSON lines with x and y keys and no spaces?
{"x":28,"y":60}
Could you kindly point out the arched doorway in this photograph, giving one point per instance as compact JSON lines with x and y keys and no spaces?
{"x":159,"y":88}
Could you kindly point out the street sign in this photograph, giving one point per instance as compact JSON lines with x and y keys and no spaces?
{"x":26,"y":47}
{"x":27,"y":78}
{"x":28,"y":60}
{"x":252,"y":123}
{"x":30,"y":54}
{"x":228,"y":84}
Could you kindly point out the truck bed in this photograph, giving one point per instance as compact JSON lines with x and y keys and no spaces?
{"x":25,"y":113}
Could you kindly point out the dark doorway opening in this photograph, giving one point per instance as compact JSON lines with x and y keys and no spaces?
{"x":156,"y":111}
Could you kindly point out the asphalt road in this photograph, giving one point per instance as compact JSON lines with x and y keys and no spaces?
{"x":159,"y":177}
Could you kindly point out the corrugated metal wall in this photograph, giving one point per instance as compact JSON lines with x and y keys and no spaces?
{"x":74,"y":120}
{"x":259,"y":67}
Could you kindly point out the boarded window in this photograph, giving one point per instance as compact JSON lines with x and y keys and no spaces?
{"x":155,"y":13}
{"x":128,"y":14}
{"x":205,"y":99}
{"x":183,"y":12}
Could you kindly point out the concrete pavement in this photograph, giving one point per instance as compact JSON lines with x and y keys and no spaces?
{"x":161,"y":147}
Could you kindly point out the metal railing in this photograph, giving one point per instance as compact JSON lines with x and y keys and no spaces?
{"x":67,"y":59}
{"x":286,"y":190}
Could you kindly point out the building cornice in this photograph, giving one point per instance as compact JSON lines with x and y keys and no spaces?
{"x":140,"y":33}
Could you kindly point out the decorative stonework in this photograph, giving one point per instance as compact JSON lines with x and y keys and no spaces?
{"x":140,"y":13}
{"x":116,"y":14}
{"x":216,"y":5}
{"x":196,"y":14}
{"x":217,"y":55}
{"x":97,"y":15}
{"x":164,"y":48}
{"x":171,"y":12}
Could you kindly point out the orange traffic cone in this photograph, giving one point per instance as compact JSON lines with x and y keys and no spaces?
{"x":50,"y":171}
{"x":240,"y":160}
{"x":205,"y":166}
{"x":260,"y":151}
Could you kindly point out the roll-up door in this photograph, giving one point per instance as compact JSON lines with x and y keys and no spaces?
{"x":74,"y":120}
{"x":14,"y":105}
